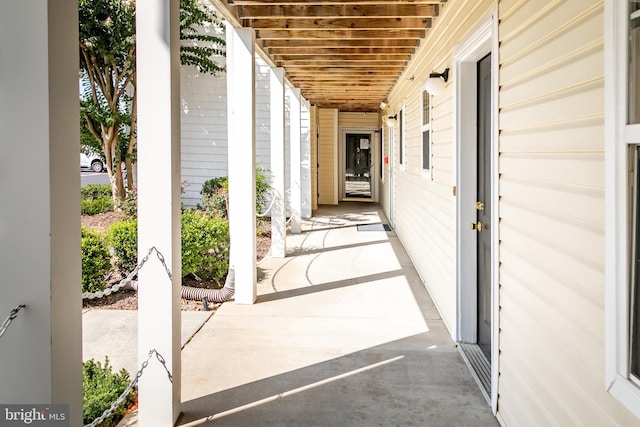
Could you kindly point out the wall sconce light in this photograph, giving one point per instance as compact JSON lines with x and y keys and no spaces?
{"x":383,"y":105}
{"x":391,"y":121}
{"x":435,"y":83}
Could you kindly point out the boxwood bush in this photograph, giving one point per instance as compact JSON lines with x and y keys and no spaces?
{"x":101,"y":388}
{"x":95,"y":261}
{"x":95,"y":199}
{"x":123,"y":238}
{"x":215,"y":193}
{"x":205,"y":245}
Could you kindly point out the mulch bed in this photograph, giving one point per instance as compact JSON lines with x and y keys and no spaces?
{"x":127,"y":300}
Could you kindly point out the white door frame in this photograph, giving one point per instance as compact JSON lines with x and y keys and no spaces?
{"x":392,"y":178}
{"x":482,"y":41}
{"x":374,"y":165}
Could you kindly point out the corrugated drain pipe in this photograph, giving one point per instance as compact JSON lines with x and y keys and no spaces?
{"x":212,"y":295}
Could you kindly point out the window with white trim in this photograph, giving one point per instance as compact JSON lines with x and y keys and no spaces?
{"x":426,"y":132}
{"x":622,"y":87}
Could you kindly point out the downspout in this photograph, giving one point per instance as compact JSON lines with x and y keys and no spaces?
{"x":198,"y":294}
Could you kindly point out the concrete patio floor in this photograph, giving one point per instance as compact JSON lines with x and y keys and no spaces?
{"x":343,"y":333}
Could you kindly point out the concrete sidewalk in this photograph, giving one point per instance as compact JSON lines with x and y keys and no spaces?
{"x":114,"y":333}
{"x":343,"y":334}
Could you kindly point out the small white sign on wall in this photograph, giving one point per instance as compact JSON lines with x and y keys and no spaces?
{"x":364,"y":144}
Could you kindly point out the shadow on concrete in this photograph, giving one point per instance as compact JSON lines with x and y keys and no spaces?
{"x":417,"y":381}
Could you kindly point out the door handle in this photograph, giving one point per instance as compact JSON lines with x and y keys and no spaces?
{"x":477,"y":226}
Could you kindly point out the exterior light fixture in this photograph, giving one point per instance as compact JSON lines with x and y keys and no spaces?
{"x":435,"y":83}
{"x":383,"y":105}
{"x":392,"y":120}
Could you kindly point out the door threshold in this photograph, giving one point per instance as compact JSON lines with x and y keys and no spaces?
{"x":479,"y":366}
{"x":357,"y":199}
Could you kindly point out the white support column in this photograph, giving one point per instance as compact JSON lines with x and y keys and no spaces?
{"x":305,"y":160}
{"x":158,"y":68}
{"x":241,"y":109}
{"x":294,"y":129}
{"x":278,"y":170}
{"x":41,"y":351}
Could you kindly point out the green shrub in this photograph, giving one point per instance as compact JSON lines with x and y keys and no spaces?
{"x":95,"y":261}
{"x":123,"y":238}
{"x":210,"y":186}
{"x":95,"y":191}
{"x":262,"y":187}
{"x":205,"y":246}
{"x":96,"y":206}
{"x":215,"y":193}
{"x":101,"y":388}
{"x":216,"y":204}
{"x":129,"y":206}
{"x":95,"y":199}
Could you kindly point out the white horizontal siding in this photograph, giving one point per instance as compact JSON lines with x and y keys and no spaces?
{"x":552,"y":216}
{"x":424,"y":202}
{"x":326,"y":160}
{"x":204,"y":128}
{"x":203,"y":131}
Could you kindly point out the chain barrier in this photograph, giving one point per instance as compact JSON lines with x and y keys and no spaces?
{"x":106,"y":414}
{"x":127,"y":280}
{"x":12,"y":315}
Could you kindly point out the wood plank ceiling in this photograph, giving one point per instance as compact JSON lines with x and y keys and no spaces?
{"x":344,"y":54}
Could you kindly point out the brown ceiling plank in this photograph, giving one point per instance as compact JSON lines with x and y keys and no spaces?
{"x":339,"y":23}
{"x":293,"y":65}
{"x":338,"y":51}
{"x":342,"y":58}
{"x":343,"y":10}
{"x":328,"y":80}
{"x":344,"y":43}
{"x":326,"y":2}
{"x":338,"y":34}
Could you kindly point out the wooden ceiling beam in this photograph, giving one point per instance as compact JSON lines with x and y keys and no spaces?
{"x":340,"y":24}
{"x":290,"y":52}
{"x":344,"y":43}
{"x":342,"y":58}
{"x":285,"y":34}
{"x":271,"y":3}
{"x":342,"y":10}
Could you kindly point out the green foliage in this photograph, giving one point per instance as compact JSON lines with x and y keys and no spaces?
{"x":216,"y":204}
{"x":95,"y":199}
{"x":215,"y":193}
{"x":262,"y":187}
{"x":201,"y":37}
{"x":95,"y":261}
{"x":123,"y":238}
{"x":129,"y":206}
{"x":205,"y":246}
{"x":211,"y":185}
{"x":101,"y":388}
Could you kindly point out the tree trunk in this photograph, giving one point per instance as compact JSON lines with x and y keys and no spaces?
{"x":132,"y":137}
{"x":114,"y":169}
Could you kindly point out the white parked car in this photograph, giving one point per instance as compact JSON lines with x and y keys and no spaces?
{"x":91,"y":161}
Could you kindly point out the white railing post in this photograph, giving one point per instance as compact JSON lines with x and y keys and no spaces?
{"x":241,"y":109}
{"x":158,"y":92}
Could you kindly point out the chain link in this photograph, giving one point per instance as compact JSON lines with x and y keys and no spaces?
{"x":12,"y":315}
{"x":106,"y":414}
{"x":127,"y":280}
